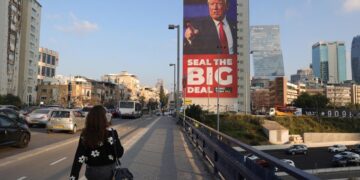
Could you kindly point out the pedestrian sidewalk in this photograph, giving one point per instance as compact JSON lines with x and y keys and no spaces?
{"x":162,"y":152}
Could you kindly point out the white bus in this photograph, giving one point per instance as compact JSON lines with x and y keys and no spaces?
{"x":130,"y":109}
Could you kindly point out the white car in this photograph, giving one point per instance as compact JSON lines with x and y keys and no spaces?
{"x":39,"y":117}
{"x":347,"y":154}
{"x":287,"y":161}
{"x":337,"y":148}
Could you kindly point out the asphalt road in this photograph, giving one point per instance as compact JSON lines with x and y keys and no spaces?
{"x":40,"y":138}
{"x":316,"y":158}
{"x":46,"y":164}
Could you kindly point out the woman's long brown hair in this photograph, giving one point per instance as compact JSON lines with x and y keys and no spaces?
{"x":95,"y":129}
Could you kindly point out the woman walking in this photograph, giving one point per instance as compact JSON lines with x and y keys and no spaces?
{"x":96,"y":147}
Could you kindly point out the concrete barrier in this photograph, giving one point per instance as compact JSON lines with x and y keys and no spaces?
{"x":330,"y":137}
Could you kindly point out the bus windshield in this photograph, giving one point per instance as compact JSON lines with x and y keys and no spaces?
{"x":126,"y":104}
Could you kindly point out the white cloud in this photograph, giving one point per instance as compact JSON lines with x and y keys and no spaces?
{"x":351,"y":5}
{"x":78,"y":26}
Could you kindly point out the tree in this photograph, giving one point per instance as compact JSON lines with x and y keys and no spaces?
{"x":195,"y":112}
{"x":10,"y":99}
{"x":142,"y":100}
{"x":152,"y":104}
{"x":306,"y":100}
{"x":163,"y":97}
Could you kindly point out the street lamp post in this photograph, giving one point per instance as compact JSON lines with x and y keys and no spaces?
{"x":175,"y":101}
{"x":177,"y":27}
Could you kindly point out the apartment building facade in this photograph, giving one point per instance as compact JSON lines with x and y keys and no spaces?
{"x":47,"y":64}
{"x":131,"y":82}
{"x":338,"y":94}
{"x":29,"y":54}
{"x":10,"y":31}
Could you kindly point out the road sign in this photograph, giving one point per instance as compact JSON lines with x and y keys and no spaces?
{"x":188,"y":101}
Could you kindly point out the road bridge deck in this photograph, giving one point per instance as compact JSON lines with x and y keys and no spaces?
{"x":163,"y":152}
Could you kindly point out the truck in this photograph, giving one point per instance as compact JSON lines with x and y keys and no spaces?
{"x":285,"y":111}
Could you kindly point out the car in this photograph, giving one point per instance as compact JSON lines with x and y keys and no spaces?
{"x":66,"y":119}
{"x":344,"y":161}
{"x":337,"y":148}
{"x":13,"y":133}
{"x":287,"y":161}
{"x":356,"y":148}
{"x":13,"y":115}
{"x":297,"y":149}
{"x":114,"y":113}
{"x":257,"y":160}
{"x":347,"y":154}
{"x":86,"y":110}
{"x":10,"y":107}
{"x":39,"y":117}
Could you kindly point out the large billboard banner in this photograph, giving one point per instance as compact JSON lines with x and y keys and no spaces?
{"x":210,"y":48}
{"x":208,"y":75}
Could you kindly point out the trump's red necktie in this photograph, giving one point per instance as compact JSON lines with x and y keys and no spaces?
{"x":223,"y":40}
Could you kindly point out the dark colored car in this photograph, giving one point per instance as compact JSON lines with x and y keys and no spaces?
{"x":10,"y":107}
{"x":12,"y":114}
{"x":114,"y":113}
{"x":356,"y":148}
{"x":345,"y":161}
{"x":13,"y":133}
{"x":297,"y":149}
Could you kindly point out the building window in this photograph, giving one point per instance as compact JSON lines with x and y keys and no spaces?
{"x":52,"y":72}
{"x":43,"y":98}
{"x":43,"y":57}
{"x":43,"y":90}
{"x":43,"y":71}
{"x":53,"y":60}
{"x":33,"y":29}
{"x":48,"y":72}
{"x":48,"y":59}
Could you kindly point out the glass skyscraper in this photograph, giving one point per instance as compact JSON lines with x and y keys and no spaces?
{"x":266,"y":50}
{"x":355,"y":59}
{"x":329,"y":61}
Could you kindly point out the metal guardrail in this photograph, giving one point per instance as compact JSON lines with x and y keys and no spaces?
{"x":217,"y":148}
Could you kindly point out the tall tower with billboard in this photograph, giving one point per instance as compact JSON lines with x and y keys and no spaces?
{"x":216,"y":54}
{"x":266,"y":50}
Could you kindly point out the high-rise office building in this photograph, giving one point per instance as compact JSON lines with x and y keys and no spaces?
{"x":266,"y":51}
{"x":329,"y":61}
{"x":10,"y":27}
{"x":29,"y":53}
{"x":355,"y":59}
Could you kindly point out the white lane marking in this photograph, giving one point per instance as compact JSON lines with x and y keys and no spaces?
{"x":21,"y":178}
{"x":58,"y":161}
{"x":130,"y":142}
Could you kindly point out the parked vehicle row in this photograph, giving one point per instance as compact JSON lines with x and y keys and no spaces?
{"x":15,"y":123}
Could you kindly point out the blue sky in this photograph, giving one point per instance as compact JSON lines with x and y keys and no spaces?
{"x":95,"y":38}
